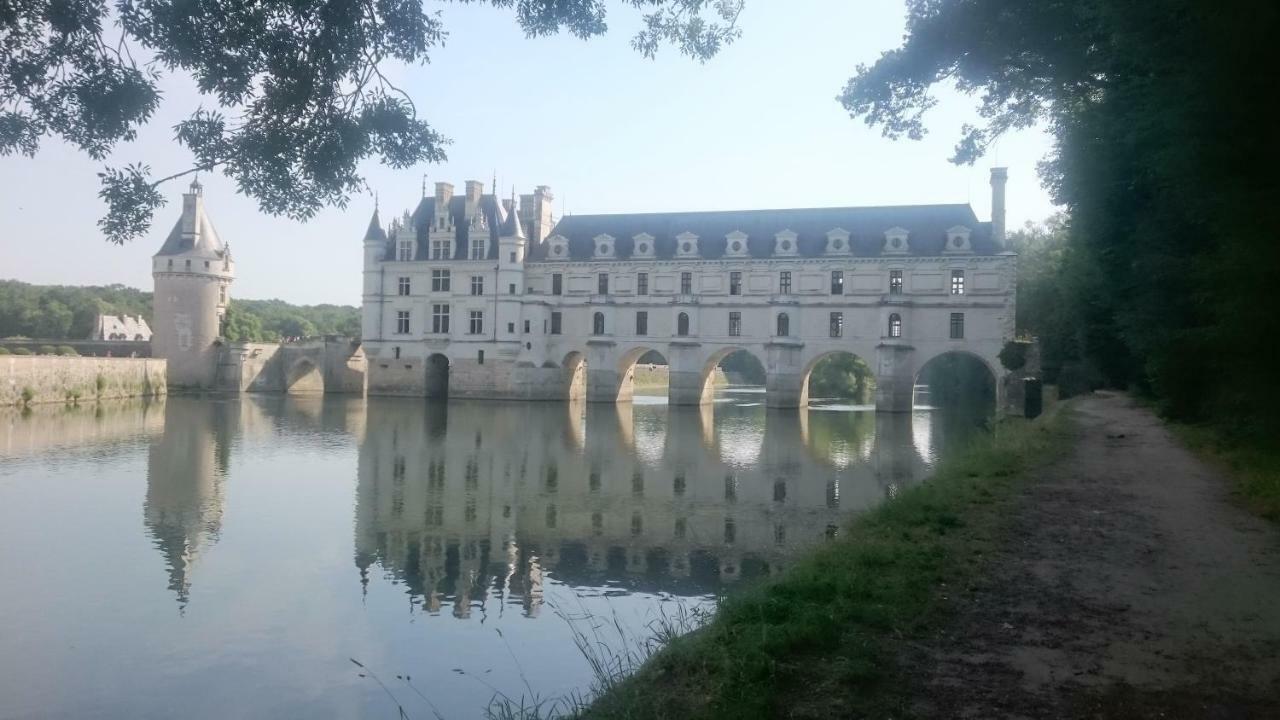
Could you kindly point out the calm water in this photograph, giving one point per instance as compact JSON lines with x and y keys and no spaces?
{"x":203,"y":558}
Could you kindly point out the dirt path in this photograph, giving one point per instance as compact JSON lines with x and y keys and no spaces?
{"x":1131,"y":586}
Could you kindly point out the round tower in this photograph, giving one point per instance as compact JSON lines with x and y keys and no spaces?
{"x":193,"y":273}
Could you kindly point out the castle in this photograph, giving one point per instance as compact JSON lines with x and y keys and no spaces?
{"x":475,"y":296}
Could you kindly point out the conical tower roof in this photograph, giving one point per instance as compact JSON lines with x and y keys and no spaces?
{"x":193,"y":234}
{"x":375,"y":231}
{"x":512,"y":227}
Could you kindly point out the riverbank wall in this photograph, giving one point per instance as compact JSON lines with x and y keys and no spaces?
{"x":26,"y":380}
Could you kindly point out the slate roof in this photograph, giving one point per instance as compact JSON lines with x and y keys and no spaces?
{"x":204,"y":242}
{"x":423,"y":215}
{"x":927,"y":225}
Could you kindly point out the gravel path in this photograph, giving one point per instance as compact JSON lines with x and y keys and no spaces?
{"x":1130,"y":587}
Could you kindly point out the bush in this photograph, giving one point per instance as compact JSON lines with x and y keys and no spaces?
{"x":27,"y":395}
{"x":47,"y":350}
{"x":1013,"y":356}
{"x":67,"y":351}
{"x":4,"y":350}
{"x":22,"y":351}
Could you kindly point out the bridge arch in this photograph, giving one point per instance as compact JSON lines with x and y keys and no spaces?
{"x":626,"y":367}
{"x":833,"y":362}
{"x":573,"y":374}
{"x":437,"y":376}
{"x":957,"y":378}
{"x":713,"y":361}
{"x":304,"y":377}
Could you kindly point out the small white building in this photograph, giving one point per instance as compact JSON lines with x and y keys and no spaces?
{"x":470,"y":296}
{"x":121,"y":327}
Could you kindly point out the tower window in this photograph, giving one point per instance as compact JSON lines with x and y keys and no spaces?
{"x":735,"y":283}
{"x":682,"y":324}
{"x":557,"y":284}
{"x":895,"y":282}
{"x":686,"y":283}
{"x":597,"y":324}
{"x":895,"y":325}
{"x":784,"y":325}
{"x":837,"y":324}
{"x":784,"y":282}
{"x":735,"y":324}
{"x":642,"y":283}
{"x":402,"y":286}
{"x":642,"y":323}
{"x":602,"y":284}
{"x":402,"y":322}
{"x":957,"y":282}
{"x":957,"y":326}
{"x":837,"y":282}
{"x":556,"y":319}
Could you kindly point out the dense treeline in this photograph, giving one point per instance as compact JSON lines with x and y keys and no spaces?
{"x":61,"y":312}
{"x":1165,"y":161}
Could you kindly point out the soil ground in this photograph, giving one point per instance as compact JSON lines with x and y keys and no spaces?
{"x":1130,"y":586}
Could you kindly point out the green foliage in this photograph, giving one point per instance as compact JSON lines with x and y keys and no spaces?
{"x":818,"y":641}
{"x":100,"y":383}
{"x":294,"y":95}
{"x":58,"y":312}
{"x":47,"y":350}
{"x":1253,"y":462}
{"x":271,"y":320}
{"x":1164,"y":165}
{"x":27,"y":395}
{"x":745,"y":368}
{"x":67,"y":351}
{"x":4,"y":350}
{"x":1013,"y":356}
{"x":22,"y":351}
{"x":842,"y":375}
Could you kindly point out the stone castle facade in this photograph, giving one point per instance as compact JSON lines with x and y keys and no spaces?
{"x":470,"y":295}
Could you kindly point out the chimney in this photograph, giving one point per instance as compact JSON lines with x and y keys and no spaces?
{"x":541,"y":205}
{"x":475,"y":189}
{"x":444,"y":193}
{"x":191,"y":202}
{"x":999,"y":178}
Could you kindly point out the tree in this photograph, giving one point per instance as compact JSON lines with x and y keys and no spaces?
{"x":297,"y":93}
{"x":1161,"y":157}
{"x":241,"y":325}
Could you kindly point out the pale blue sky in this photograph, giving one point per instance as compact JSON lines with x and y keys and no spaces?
{"x":609,"y":131}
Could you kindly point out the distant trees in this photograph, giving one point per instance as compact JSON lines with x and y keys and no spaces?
{"x":295,"y":94}
{"x":1164,"y":278}
{"x":842,"y":375}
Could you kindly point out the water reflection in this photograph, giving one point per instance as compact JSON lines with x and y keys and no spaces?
{"x":475,"y":505}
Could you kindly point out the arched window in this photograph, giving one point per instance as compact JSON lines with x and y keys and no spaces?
{"x":895,"y":325}
{"x":597,"y":324}
{"x":784,"y":325}
{"x":682,"y":324}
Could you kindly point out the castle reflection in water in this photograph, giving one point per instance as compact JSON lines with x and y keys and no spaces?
{"x":471,"y":503}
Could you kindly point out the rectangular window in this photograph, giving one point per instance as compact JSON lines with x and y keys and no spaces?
{"x":957,"y":326}
{"x":403,"y":286}
{"x":511,"y":256}
{"x":511,"y":328}
{"x":439,"y":281}
{"x":837,"y":282}
{"x":784,"y":282}
{"x":440,"y":248}
{"x":526,"y":327}
{"x":735,"y":324}
{"x":602,"y":284}
{"x":404,"y":250}
{"x":957,"y":282}
{"x":642,"y":323}
{"x":837,"y":324}
{"x":402,"y":322}
{"x":511,"y":288}
{"x":477,"y":284}
{"x":555,"y":323}
{"x":686,"y":283}
{"x":477,"y":322}
{"x":440,"y":319}
{"x":557,"y":284}
{"x":477,"y":248}
{"x":895,"y":282}
{"x":642,"y":283}
{"x":735,"y":283}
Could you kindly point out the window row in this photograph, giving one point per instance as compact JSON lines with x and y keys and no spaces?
{"x":837,"y":286}
{"x":441,"y":281}
{"x":442,"y":249}
{"x":440,"y":315}
{"x":782,"y":327}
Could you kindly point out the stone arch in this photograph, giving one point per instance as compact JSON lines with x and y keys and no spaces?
{"x":574,"y":375}
{"x":437,"y":376}
{"x":707,"y":379}
{"x":989,"y":394}
{"x":304,"y":377}
{"x":626,"y":368}
{"x":807,"y":373}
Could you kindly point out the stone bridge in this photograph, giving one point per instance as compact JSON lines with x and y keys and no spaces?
{"x":330,"y":365}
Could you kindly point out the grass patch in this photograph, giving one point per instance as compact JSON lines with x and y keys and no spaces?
{"x":821,"y":640}
{"x":1254,"y":464}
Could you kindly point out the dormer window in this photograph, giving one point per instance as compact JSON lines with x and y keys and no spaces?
{"x":604,"y":246}
{"x":477,"y":248}
{"x":558,"y":247}
{"x":440,"y":249}
{"x":404,"y":250}
{"x":958,"y":240}
{"x":896,"y":241}
{"x":687,"y":245}
{"x":643,"y":246}
{"x":837,"y":241}
{"x":735,"y":244}
{"x":786,"y":243}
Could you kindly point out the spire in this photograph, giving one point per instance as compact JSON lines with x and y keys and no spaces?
{"x":375,"y":231}
{"x":512,"y":227}
{"x":424,"y":184}
{"x":495,"y":182}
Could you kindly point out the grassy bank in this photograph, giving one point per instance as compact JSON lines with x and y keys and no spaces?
{"x":1254,"y":465}
{"x":820,"y":640}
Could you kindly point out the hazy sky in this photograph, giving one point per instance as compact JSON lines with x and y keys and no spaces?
{"x":757,"y":127}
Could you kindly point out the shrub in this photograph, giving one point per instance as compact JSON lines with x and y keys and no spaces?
{"x":4,"y":350}
{"x":21,"y":351}
{"x":67,"y":351}
{"x":100,"y":382}
{"x":1013,"y":356}
{"x":47,"y":350}
{"x":27,"y":395}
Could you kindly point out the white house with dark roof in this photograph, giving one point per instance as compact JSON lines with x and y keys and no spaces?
{"x":474,"y":296}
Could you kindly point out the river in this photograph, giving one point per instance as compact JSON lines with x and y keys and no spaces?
{"x":216,"y":558}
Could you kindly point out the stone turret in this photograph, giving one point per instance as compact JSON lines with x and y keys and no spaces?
{"x":193,"y":272}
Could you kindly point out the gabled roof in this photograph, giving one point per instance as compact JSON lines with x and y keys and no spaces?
{"x":927,"y":225}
